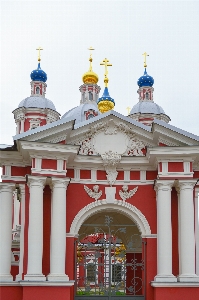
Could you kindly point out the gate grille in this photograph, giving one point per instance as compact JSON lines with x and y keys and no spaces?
{"x":108,"y":269}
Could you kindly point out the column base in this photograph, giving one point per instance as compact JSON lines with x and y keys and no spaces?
{"x":4,"y":277}
{"x":57,"y":277}
{"x":188,"y":278}
{"x":34,"y":277}
{"x":165,"y":278}
{"x":19,"y":277}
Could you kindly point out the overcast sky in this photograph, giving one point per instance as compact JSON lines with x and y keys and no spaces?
{"x":118,"y":30}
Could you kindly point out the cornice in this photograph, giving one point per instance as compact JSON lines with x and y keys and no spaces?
{"x":171,"y":133}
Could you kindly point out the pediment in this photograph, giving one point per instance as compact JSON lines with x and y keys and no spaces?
{"x":110,"y":131}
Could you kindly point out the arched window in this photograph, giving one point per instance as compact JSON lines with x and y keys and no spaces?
{"x":147,"y":96}
{"x":90,"y":96}
{"x":90,"y":116}
{"x":37,"y":90}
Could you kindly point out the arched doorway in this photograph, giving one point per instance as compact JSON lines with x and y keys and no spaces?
{"x":110,"y":258}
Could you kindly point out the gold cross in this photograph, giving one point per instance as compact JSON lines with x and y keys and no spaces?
{"x":128,"y":110}
{"x":145,"y":55}
{"x":39,"y":54}
{"x":106,"y":64}
{"x":90,"y":58}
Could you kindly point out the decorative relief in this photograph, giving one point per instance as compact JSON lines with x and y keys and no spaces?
{"x":128,"y":209}
{"x":87,"y":147}
{"x":125,"y":194}
{"x":134,"y":148}
{"x":110,"y":161}
{"x":95,"y":194}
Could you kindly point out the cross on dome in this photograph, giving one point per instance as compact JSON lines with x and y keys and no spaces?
{"x":39,"y":54}
{"x":145,"y":55}
{"x":106,"y":64}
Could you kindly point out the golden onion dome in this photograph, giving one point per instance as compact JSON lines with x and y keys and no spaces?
{"x":90,"y":77}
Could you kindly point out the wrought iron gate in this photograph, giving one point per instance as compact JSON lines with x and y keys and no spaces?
{"x":106,"y":269}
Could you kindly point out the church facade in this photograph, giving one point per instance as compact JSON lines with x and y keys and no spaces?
{"x":95,"y":204}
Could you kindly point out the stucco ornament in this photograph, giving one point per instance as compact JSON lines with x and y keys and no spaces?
{"x":110,"y":162}
{"x":103,"y":137}
{"x":134,"y":147}
{"x":125,"y":194}
{"x":95,"y":194}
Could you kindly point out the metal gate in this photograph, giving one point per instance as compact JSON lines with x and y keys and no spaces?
{"x":108,"y":269}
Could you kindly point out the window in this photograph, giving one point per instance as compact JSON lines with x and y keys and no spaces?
{"x":90,"y":96}
{"x":91,"y":272}
{"x":90,"y":116}
{"x":37,"y":90}
{"x":116,"y":273}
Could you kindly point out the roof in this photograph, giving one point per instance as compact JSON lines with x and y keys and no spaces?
{"x":147,"y":107}
{"x":38,"y":102}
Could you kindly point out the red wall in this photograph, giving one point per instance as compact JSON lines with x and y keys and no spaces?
{"x":144,"y":199}
{"x":49,"y":164}
{"x":11,"y":292}
{"x":175,"y":167}
{"x":46,"y":230}
{"x":174,"y":221}
{"x":176,"y":293}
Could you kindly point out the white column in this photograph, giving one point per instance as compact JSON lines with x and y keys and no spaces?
{"x":197,"y":228}
{"x":35,"y":230}
{"x":16,"y":210}
{"x":22,"y":125}
{"x":22,"y":193}
{"x":17,"y":127}
{"x":6,"y":200}
{"x":58,"y":230}
{"x":187,"y":238}
{"x":164,"y":232}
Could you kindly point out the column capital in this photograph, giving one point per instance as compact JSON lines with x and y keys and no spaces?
{"x":59,"y":182}
{"x":22,"y":188}
{"x":185,"y":184}
{"x":7,"y":187}
{"x":36,"y":181}
{"x":164,"y":185}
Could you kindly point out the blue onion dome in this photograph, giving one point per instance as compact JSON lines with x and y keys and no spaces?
{"x":145,"y":80}
{"x":105,"y":103}
{"x":38,"y":74}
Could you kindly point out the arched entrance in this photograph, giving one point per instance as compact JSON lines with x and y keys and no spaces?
{"x":110,"y":254}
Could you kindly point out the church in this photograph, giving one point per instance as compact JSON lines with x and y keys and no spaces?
{"x":95,"y":204}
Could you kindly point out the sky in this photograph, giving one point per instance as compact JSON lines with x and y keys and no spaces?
{"x":118,"y":30}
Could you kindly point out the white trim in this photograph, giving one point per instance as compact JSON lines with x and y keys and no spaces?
{"x":150,"y":236}
{"x":48,"y":172}
{"x":101,"y":205}
{"x":14,"y":178}
{"x":117,"y":182}
{"x":47,"y":283}
{"x":175,"y":284}
{"x":7,"y":170}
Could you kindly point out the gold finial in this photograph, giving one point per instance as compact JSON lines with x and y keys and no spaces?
{"x":128,"y":110}
{"x":39,"y":54}
{"x":106,"y":64}
{"x":90,"y":77}
{"x":145,"y":55}
{"x":90,"y":58}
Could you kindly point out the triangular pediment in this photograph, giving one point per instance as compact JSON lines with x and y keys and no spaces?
{"x":111,"y":126}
